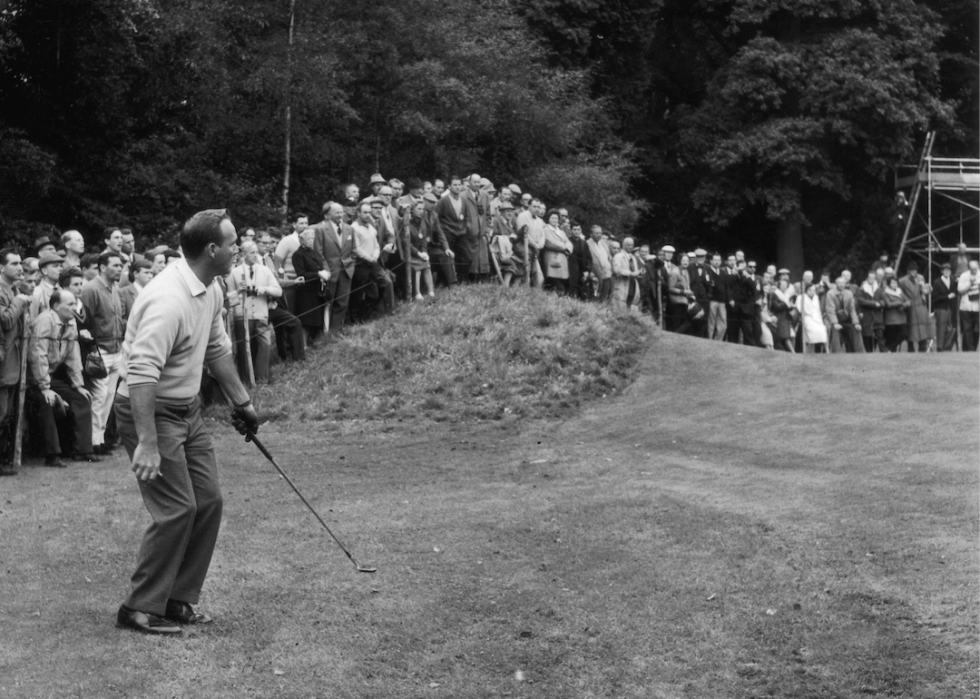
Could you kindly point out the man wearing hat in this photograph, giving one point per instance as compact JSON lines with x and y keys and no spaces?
{"x":50,"y":265}
{"x":42,"y":245}
{"x":414,"y":195}
{"x":917,"y":291}
{"x":701,"y":286}
{"x":943,"y":300}
{"x":377,"y":182}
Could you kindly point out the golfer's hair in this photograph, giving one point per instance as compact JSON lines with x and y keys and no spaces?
{"x":106,"y":256}
{"x":201,"y":230}
{"x":5,"y":254}
{"x":136,"y":267}
{"x":64,"y":279}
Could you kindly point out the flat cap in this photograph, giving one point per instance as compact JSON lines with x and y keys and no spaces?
{"x":668,"y":248}
{"x":514,"y":188}
{"x":49,"y":258}
{"x":506,"y":206}
{"x":700,"y":252}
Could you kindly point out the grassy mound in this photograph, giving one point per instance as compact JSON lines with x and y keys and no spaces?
{"x":475,"y":353}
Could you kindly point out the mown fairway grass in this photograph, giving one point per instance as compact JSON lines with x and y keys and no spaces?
{"x":734,"y":524}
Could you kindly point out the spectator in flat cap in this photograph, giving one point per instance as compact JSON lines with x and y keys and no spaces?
{"x":504,"y":237}
{"x":377,"y":182}
{"x":50,"y":266}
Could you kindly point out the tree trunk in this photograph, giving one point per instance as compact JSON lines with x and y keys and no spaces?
{"x":789,"y":245}
{"x":287,"y":150}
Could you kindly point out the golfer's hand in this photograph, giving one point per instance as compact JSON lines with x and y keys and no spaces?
{"x":146,"y":462}
{"x":245,"y":420}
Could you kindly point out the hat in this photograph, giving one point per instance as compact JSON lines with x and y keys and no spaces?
{"x":506,"y":206}
{"x":514,"y":188}
{"x":350,"y":201}
{"x":41,"y":242}
{"x":431,"y":198}
{"x":49,"y":258}
{"x":783,"y":271}
{"x":413,"y":183}
{"x":376,"y":178}
{"x":912,"y":266}
{"x":700,"y":252}
{"x":668,"y":248}
{"x":375,"y":200}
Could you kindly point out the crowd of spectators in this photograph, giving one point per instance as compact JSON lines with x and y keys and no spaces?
{"x":64,"y":309}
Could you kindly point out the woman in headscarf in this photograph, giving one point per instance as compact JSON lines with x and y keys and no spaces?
{"x":896,"y":305}
{"x":780,"y":302}
{"x":557,"y":248}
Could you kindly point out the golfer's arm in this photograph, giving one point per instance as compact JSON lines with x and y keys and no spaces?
{"x":142,"y":401}
{"x":224,"y":372}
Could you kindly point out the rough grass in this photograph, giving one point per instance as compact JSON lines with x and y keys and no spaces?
{"x":476,"y":353}
{"x":735,"y":524}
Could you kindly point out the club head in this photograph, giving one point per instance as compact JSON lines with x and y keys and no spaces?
{"x":366,"y":569}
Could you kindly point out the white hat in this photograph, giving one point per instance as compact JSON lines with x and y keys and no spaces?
{"x":668,"y":248}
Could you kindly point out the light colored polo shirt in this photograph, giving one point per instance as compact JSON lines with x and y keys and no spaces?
{"x":175,"y":327}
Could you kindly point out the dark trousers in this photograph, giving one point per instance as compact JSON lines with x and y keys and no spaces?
{"x":340,"y":300}
{"x":677,"y":321}
{"x":371,"y":288}
{"x":945,"y":335}
{"x":463,"y":250}
{"x":970,"y":327}
{"x":751,"y":328}
{"x":77,"y":422}
{"x":289,"y":333}
{"x":184,"y":503}
{"x":894,"y":336}
{"x":442,"y":265}
{"x":8,"y":399}
{"x":605,"y":290}
{"x":259,"y":335}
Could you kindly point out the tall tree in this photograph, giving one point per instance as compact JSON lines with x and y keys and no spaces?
{"x":816,"y":99}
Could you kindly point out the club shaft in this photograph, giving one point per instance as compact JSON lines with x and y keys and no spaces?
{"x":265,"y":452}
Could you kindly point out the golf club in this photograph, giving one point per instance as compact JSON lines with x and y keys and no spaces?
{"x":360,"y":569}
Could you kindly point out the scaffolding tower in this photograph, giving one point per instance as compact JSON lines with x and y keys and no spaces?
{"x":948,"y":217}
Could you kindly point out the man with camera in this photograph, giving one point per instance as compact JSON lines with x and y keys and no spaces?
{"x":251,"y":288}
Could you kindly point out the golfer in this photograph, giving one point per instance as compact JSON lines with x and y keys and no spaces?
{"x":174,"y":329}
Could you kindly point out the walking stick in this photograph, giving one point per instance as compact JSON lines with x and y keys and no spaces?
{"x":248,"y":344}
{"x":527,"y":260}
{"x":493,"y":259}
{"x":21,"y":392}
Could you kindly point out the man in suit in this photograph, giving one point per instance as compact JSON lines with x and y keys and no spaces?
{"x":440,"y":254}
{"x":717,"y":299}
{"x":477,"y":205}
{"x":579,"y":263}
{"x":397,"y":261}
{"x":452,"y":220}
{"x":334,"y":240}
{"x":841,"y":318}
{"x":943,"y":300}
{"x":745,"y":291}
{"x":701,"y":286}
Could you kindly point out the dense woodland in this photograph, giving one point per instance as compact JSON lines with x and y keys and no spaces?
{"x":772,"y":125}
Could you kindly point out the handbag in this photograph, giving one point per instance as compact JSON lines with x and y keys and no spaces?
{"x":94,"y":366}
